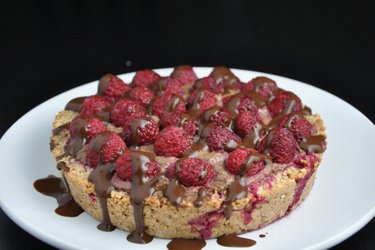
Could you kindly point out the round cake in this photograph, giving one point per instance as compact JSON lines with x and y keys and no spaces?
{"x":185,"y":157}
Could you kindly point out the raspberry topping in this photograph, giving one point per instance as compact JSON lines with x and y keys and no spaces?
{"x":201,"y":100}
{"x":245,"y":122}
{"x":124,"y":168}
{"x":184,"y":74}
{"x":168,"y":103}
{"x":219,"y":138}
{"x":141,"y":95}
{"x":126,"y":110}
{"x":86,"y":127}
{"x":171,"y":141}
{"x":145,"y":78}
{"x":170,"y":85}
{"x":112,"y":86}
{"x":283,"y":146}
{"x":95,"y":106}
{"x":284,"y":102}
{"x":209,"y":83}
{"x":265,"y":87}
{"x":140,"y":131}
{"x":104,"y":148}
{"x":299,"y":127}
{"x":195,"y":172}
{"x":216,"y":115}
{"x":244,"y":160}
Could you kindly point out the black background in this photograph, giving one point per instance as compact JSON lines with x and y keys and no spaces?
{"x":48,"y":47}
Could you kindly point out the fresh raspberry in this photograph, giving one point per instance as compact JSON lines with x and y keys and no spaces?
{"x":171,"y":141}
{"x":142,"y":95}
{"x":104,"y":148}
{"x":112,"y":86}
{"x":247,"y":87}
{"x":195,"y":172}
{"x":219,"y":118}
{"x":189,"y":126}
{"x":247,"y":105}
{"x":264,"y":86}
{"x":261,"y":144}
{"x":140,"y":131}
{"x":170,"y":85}
{"x":245,"y":122}
{"x":126,"y":110}
{"x":237,"y":160}
{"x":209,"y":83}
{"x":202,"y":100}
{"x":94,"y":105}
{"x":124,"y":168}
{"x":171,"y":171}
{"x":282,"y":100}
{"x":184,"y":74}
{"x":283,"y":146}
{"x":86,"y":127}
{"x":218,"y":137}
{"x":168,"y":103}
{"x":299,"y":127}
{"x":145,"y":78}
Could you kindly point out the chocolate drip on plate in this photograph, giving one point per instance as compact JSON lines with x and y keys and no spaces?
{"x":232,"y":240}
{"x":54,"y":186}
{"x":186,"y":244}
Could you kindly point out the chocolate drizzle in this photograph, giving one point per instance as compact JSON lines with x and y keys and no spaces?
{"x":54,"y":186}
{"x":101,"y":178}
{"x":237,"y":189}
{"x":174,"y":192}
{"x":232,"y":240}
{"x":186,"y":244}
{"x":141,"y":188}
{"x":75,"y":104}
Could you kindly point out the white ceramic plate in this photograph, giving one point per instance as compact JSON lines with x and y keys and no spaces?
{"x":340,"y":203}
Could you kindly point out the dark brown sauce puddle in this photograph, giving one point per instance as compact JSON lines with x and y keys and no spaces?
{"x":54,"y":186}
{"x":186,"y":244}
{"x":232,"y":240}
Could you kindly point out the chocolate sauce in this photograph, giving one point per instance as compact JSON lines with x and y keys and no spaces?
{"x":232,"y":240}
{"x":77,"y":141}
{"x":314,"y":143}
{"x":186,"y":244}
{"x":137,"y":124}
{"x":54,"y":186}
{"x":101,"y":178}
{"x":62,"y":166}
{"x":223,"y":75}
{"x":262,"y":236}
{"x":75,"y":104}
{"x":174,"y":192}
{"x":141,"y":189}
{"x":103,"y":83}
{"x":237,"y":189}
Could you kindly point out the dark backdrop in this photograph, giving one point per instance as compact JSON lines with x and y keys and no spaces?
{"x":48,"y":47}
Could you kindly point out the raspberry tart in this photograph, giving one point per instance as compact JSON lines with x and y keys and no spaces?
{"x":185,"y":157}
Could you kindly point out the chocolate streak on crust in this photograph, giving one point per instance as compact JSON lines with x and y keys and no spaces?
{"x":140,"y":190}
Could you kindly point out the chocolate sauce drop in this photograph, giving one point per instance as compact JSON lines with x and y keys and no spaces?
{"x":232,"y":240}
{"x":60,"y":128}
{"x":262,"y":236}
{"x":101,"y":178}
{"x":200,"y":197}
{"x":186,"y":244}
{"x":54,"y":186}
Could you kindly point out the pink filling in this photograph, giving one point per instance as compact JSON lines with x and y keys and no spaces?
{"x":205,"y":223}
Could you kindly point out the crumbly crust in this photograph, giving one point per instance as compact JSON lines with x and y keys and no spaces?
{"x":164,"y":220}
